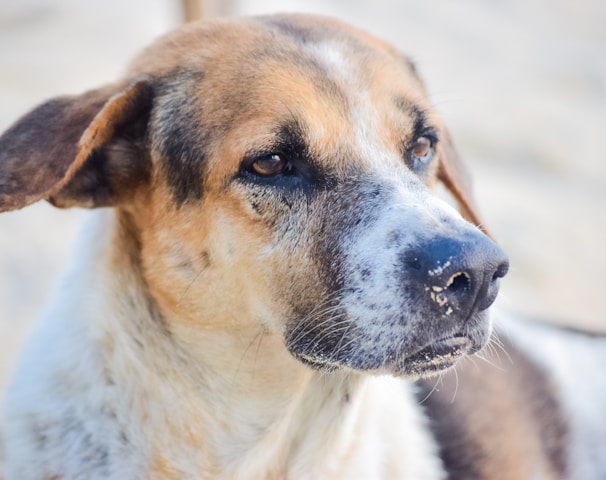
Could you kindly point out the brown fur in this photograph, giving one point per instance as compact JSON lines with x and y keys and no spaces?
{"x":491,"y":439}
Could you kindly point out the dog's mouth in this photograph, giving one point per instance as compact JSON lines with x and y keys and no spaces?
{"x":437,"y":356}
{"x":428,"y":357}
{"x":430,"y":360}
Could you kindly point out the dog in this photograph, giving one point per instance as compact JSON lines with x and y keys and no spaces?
{"x":274,"y":290}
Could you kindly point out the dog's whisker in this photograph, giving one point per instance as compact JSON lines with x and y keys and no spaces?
{"x":484,"y":359}
{"x":498,"y":344}
{"x":456,"y":389}
{"x":352,"y":341}
{"x":334,"y":329}
{"x":261,"y":336}
{"x":339,"y":346}
{"x":309,"y":321}
{"x":246,"y":350}
{"x":438,"y":380}
{"x":189,"y":286}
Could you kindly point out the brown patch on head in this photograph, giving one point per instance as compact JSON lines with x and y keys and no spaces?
{"x":211,"y":81}
{"x":498,"y":419}
{"x":214,"y":96}
{"x":272,"y":70}
{"x":198,"y":257}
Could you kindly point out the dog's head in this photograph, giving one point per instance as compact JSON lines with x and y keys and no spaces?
{"x":277,"y":173}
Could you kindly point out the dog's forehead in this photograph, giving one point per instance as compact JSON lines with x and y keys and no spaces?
{"x":233,"y":84}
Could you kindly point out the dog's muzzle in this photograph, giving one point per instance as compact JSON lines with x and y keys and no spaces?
{"x":452,"y":282}
{"x":410,"y":285}
{"x":414,"y":318}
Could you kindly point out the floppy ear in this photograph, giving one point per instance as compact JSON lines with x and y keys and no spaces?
{"x":453,"y":174}
{"x":84,"y":150}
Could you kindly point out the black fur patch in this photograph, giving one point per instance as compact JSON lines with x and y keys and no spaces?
{"x":178,"y":135}
{"x":418,"y":118}
{"x":305,"y":175}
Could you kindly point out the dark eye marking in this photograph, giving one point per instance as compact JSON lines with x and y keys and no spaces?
{"x":285,"y":163}
{"x":419,"y":149}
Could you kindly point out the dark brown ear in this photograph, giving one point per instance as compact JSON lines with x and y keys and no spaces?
{"x":455,"y":177}
{"x":81,"y":150}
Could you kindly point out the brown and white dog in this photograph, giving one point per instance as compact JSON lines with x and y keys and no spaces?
{"x":274,"y":275}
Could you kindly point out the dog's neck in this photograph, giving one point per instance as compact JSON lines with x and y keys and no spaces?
{"x":260,"y":406}
{"x":234,"y":404}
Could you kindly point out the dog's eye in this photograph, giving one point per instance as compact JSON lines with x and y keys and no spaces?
{"x":270,"y":165}
{"x":422,"y":147}
{"x":422,"y":152}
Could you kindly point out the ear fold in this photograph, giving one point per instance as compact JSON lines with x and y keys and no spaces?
{"x":81,"y":150}
{"x":454,"y":176}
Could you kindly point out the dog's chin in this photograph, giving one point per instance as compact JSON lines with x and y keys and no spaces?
{"x":436,"y":357}
{"x":426,"y":360}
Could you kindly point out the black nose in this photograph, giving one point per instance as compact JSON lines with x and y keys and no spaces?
{"x":456,"y":276}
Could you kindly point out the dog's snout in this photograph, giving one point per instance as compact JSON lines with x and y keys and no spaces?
{"x":456,"y":277}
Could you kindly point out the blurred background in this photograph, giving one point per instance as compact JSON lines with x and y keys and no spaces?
{"x":521,"y":84}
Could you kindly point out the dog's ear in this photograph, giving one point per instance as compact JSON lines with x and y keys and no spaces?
{"x":84,"y":150}
{"x":454,"y":175}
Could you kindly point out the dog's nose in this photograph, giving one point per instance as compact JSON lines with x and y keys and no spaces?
{"x":457,"y":277}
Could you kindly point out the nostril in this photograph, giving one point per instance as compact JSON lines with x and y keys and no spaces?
{"x":459,"y":282}
{"x":501,"y":271}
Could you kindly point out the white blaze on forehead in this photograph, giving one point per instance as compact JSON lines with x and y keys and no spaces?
{"x":363,"y":113}
{"x":330,"y":56}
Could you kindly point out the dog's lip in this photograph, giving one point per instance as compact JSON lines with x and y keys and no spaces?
{"x":438,"y":355}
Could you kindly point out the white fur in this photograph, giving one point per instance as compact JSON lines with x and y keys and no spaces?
{"x":305,"y":433}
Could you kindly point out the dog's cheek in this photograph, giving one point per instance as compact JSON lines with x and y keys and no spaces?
{"x":319,"y":330}
{"x":175,"y":259}
{"x":204,"y":256}
{"x":364,"y":316}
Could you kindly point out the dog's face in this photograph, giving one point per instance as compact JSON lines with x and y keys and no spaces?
{"x":277,"y":172}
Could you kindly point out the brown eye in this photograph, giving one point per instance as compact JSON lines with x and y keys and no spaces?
{"x":270,"y":165}
{"x":422,"y":147}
